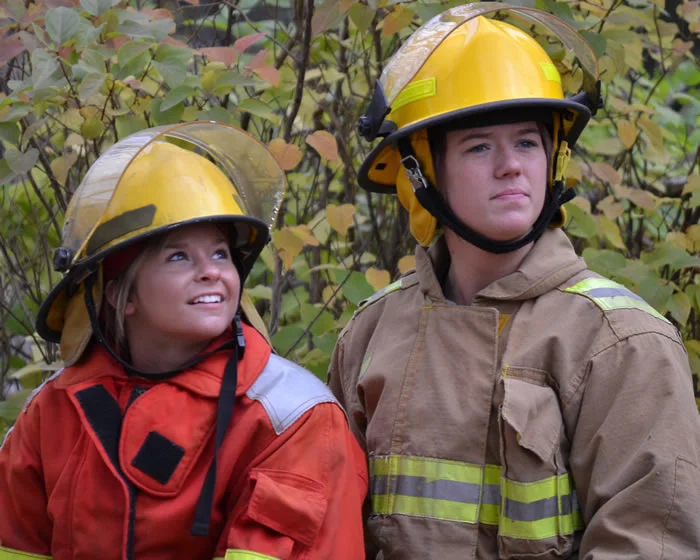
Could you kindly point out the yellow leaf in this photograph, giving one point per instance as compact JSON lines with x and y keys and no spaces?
{"x":340,"y":218}
{"x":330,"y":294}
{"x":573,"y":173}
{"x":287,"y":155}
{"x":606,"y":173}
{"x":377,"y":278}
{"x":693,"y":184}
{"x":582,"y":203}
{"x":677,"y":239}
{"x":60,"y":166}
{"x":653,"y":131}
{"x":693,"y":238}
{"x":323,"y":142}
{"x":643,"y":199}
{"x":288,"y":245}
{"x":407,"y":263}
{"x":627,"y":132}
{"x":304,"y":233}
{"x":399,"y":18}
{"x":611,"y":208}
{"x":611,"y":232}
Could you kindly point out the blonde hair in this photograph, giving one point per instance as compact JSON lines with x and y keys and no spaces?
{"x":113,"y":321}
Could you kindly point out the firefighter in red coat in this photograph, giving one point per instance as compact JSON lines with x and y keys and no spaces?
{"x":174,"y":431}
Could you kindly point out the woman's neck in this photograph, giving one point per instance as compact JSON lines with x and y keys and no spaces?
{"x":154,"y":356}
{"x":472,"y":269}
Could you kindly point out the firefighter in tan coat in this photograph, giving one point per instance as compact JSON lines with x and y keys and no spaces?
{"x":513,"y":404}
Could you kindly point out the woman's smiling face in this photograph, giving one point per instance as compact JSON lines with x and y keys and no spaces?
{"x":187,"y":291}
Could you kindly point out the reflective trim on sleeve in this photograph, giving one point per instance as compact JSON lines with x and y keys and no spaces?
{"x":466,"y":493}
{"x":245,"y":555}
{"x":287,"y":391}
{"x":609,"y":295}
{"x":9,"y":554}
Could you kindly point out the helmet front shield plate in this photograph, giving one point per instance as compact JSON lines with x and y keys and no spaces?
{"x":259,"y":182}
{"x":413,"y":54}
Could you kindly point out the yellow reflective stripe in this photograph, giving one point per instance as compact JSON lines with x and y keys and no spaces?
{"x":9,"y":554}
{"x":528,"y":492}
{"x":431,"y":469}
{"x":550,"y":72}
{"x":425,"y":507}
{"x":415,"y":91}
{"x":466,"y":493}
{"x":609,"y":295}
{"x":246,"y":555}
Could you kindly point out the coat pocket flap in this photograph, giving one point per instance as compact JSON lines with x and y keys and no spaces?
{"x":288,"y":503}
{"x":533,"y":412}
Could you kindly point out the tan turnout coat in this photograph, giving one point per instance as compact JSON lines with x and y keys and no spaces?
{"x":552,"y":418}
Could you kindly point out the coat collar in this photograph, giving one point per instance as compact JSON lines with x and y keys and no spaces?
{"x":551,"y":261}
{"x":203,"y":379}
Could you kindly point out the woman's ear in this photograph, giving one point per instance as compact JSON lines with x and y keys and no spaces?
{"x":112,"y":295}
{"x":111,"y":292}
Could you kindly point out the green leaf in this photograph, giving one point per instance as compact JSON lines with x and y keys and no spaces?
{"x":97,"y":7}
{"x":171,"y":116}
{"x":175,"y":96}
{"x":656,"y":292}
{"x":322,"y":320}
{"x":216,"y":114}
{"x":10,"y":133}
{"x":21,"y":162}
{"x":173,"y":55}
{"x":260,"y":109}
{"x":156,"y":31}
{"x":90,"y":85}
{"x":679,"y":307}
{"x":16,"y":112}
{"x":666,"y":254}
{"x":62,"y":24}
{"x":286,"y":337}
{"x":356,"y":288}
{"x":580,"y":224}
{"x":128,"y":125}
{"x":596,"y":40}
{"x":130,"y":50}
{"x":605,"y":262}
{"x":361,"y":16}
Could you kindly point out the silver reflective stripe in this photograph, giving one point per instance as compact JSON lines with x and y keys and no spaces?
{"x":421,"y":487}
{"x":612,"y":292}
{"x":287,"y":391}
{"x":7,"y":434}
{"x":541,"y":509}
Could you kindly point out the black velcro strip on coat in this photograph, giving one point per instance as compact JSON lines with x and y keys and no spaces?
{"x":158,"y":457}
{"x":105,"y":418}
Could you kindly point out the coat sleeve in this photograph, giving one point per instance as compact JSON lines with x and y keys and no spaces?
{"x":304,"y":499}
{"x":342,"y":383}
{"x":635,"y":452}
{"x":24,"y":522}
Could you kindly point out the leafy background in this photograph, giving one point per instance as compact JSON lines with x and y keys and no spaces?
{"x":77,"y":75}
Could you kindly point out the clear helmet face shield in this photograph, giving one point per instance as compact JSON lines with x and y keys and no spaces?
{"x":415,"y":52}
{"x":257,"y":182}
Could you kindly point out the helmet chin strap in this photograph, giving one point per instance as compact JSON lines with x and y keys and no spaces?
{"x":431,"y":199}
{"x":224,"y":408}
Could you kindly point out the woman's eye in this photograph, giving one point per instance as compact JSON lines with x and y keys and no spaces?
{"x":478,"y":148}
{"x":221,"y":254}
{"x":178,"y":256}
{"x":527,"y":143}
